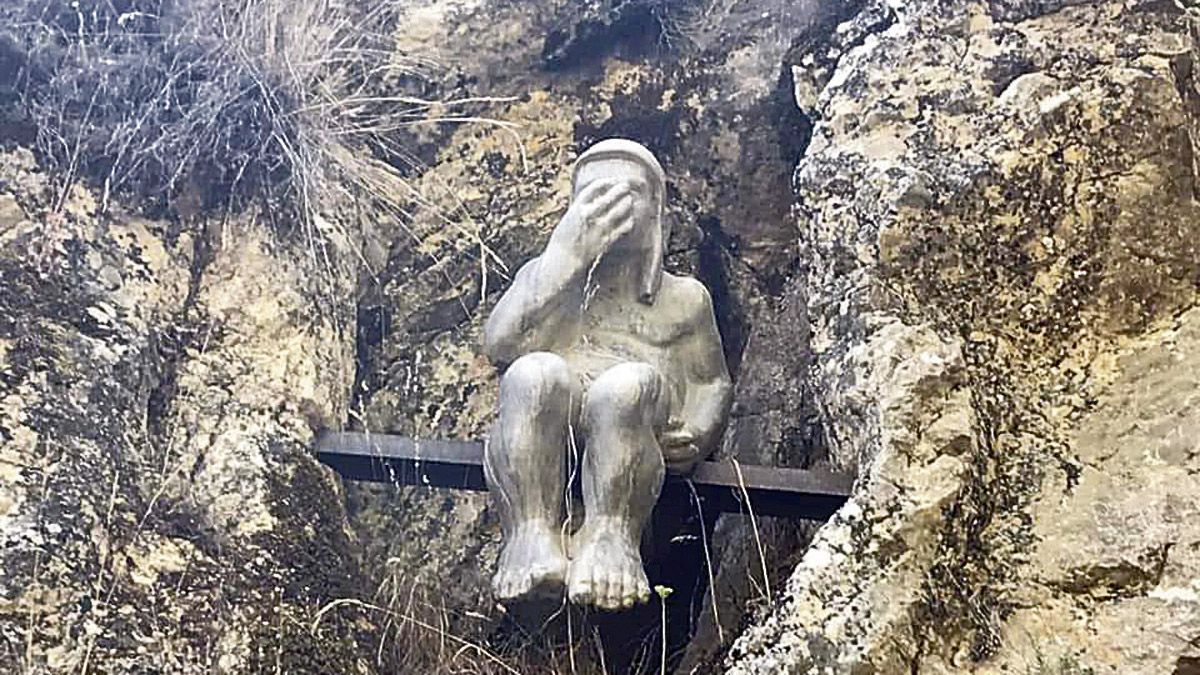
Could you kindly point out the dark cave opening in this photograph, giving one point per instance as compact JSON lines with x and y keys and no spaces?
{"x":713,"y":253}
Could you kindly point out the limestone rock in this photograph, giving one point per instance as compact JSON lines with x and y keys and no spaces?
{"x":1000,"y":206}
{"x":952,"y":247}
{"x":160,"y":510}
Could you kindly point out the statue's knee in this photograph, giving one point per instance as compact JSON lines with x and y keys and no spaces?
{"x":538,"y":375}
{"x":629,"y":390}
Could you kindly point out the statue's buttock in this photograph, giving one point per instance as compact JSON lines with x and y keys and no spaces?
{"x":606,"y":354}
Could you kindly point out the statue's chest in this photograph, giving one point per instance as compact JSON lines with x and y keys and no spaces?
{"x":625,"y":326}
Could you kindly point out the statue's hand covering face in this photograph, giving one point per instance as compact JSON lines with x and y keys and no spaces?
{"x":630,"y":171}
{"x":605,"y":355}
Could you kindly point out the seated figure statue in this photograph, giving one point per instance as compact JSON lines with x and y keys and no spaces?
{"x":605,"y":353}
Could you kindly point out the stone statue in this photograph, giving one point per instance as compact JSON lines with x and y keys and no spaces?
{"x":606,"y":355}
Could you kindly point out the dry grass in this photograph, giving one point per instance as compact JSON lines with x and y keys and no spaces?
{"x":201,"y":105}
{"x":198,"y":110}
{"x":421,"y":635}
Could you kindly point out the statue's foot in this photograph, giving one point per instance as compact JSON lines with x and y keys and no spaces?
{"x":607,"y":573}
{"x":532,"y":565}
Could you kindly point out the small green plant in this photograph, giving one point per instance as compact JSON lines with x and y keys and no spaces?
{"x":663,"y":593}
{"x":1067,"y":664}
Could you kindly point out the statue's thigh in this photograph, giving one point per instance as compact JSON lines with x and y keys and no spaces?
{"x":628,"y":394}
{"x":540,"y":387}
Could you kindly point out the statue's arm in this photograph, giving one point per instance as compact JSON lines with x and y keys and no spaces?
{"x":709,"y":392}
{"x":708,"y":408}
{"x":546,"y":297}
{"x":544,"y":300}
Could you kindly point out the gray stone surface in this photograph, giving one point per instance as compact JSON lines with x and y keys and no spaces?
{"x":613,"y":371}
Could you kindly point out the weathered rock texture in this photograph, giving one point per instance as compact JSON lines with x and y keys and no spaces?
{"x":1000,"y":208}
{"x":160,"y":510}
{"x":982,"y":298}
{"x":707,"y":91}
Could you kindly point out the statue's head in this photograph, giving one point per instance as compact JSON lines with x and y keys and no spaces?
{"x":618,"y":157}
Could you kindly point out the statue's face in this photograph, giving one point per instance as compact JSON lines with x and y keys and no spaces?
{"x":635,"y":176}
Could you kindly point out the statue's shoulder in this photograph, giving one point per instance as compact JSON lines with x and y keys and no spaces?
{"x":688,"y":294}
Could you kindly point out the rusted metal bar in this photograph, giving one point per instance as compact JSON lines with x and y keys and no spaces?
{"x":724,"y":486}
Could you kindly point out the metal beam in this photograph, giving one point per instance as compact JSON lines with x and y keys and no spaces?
{"x":723,"y":486}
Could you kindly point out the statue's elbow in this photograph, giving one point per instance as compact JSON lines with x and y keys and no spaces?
{"x":498,"y":345}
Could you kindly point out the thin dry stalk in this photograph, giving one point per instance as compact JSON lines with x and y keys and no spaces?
{"x":762,"y":556}
{"x":708,"y":567}
{"x":437,"y":630}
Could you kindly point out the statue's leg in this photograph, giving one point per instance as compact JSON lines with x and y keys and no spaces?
{"x":524,"y":462}
{"x":624,"y":409}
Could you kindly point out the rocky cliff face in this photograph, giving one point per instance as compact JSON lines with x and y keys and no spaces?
{"x":953,"y":249}
{"x":1000,"y":207}
{"x":160,"y":509}
{"x":995,"y":233}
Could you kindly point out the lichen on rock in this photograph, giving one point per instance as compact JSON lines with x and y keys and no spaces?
{"x":160,"y":506}
{"x":1018,"y":185}
{"x":952,"y":247}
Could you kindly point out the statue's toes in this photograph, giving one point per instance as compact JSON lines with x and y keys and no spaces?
{"x":642,"y":593}
{"x":623,"y":592}
{"x":630,"y":594}
{"x":603,"y":590}
{"x":616,"y":589}
{"x":580,"y":589}
{"x":597,"y":587}
{"x":508,"y":585}
{"x":629,"y":590}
